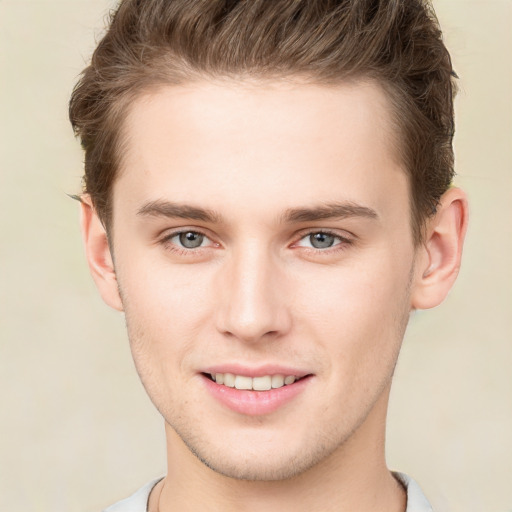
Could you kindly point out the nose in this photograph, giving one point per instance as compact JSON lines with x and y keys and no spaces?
{"x":252,"y":302}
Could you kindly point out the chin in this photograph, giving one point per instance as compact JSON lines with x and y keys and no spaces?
{"x":260,"y":469}
{"x":262,"y":456}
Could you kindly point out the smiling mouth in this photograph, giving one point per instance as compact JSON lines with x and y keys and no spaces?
{"x":263,"y":383}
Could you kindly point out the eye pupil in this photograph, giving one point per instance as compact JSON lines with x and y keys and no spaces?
{"x":191,"y":240}
{"x":321,"y":240}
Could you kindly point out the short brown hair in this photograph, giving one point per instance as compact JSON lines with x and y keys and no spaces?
{"x":397,"y":43}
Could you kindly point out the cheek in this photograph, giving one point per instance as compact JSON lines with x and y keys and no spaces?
{"x":357,"y":310}
{"x":161,"y":293}
{"x":165,"y":312}
{"x":166,"y":307}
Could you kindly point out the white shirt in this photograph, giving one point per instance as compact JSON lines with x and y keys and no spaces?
{"x":138,"y":502}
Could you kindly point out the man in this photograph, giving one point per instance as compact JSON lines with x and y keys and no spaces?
{"x":267,"y":198}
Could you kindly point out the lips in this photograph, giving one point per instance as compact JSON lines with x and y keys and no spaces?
{"x":255,"y":392}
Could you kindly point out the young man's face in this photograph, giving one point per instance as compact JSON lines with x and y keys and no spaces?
{"x":263,"y":230}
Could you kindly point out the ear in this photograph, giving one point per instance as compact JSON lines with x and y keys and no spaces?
{"x":98,"y":254}
{"x":438,"y":258}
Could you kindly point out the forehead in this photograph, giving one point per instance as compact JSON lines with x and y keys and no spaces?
{"x":237,"y":142}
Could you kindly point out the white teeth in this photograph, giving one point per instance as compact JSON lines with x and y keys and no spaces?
{"x":277,"y":381}
{"x":229,"y":380}
{"x":263,"y":383}
{"x":242,"y":382}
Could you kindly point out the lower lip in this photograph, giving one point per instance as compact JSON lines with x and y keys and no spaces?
{"x":255,"y":403}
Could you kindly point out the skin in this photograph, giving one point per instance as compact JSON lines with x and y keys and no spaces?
{"x":255,"y":156}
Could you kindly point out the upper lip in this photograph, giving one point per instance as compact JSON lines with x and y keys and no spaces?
{"x":256,"y":371}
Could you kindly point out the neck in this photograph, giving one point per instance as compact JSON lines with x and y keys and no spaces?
{"x":353,"y":477}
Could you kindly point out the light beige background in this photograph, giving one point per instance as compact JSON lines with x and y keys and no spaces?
{"x":77,"y":431}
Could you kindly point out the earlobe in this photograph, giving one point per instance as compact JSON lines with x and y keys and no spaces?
{"x":98,"y":254}
{"x":438,"y":259}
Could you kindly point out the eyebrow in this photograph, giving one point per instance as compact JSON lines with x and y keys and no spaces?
{"x":163,"y":208}
{"x":329,"y":211}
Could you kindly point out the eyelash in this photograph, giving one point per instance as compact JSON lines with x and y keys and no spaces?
{"x":183,"y":251}
{"x":343,"y":243}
